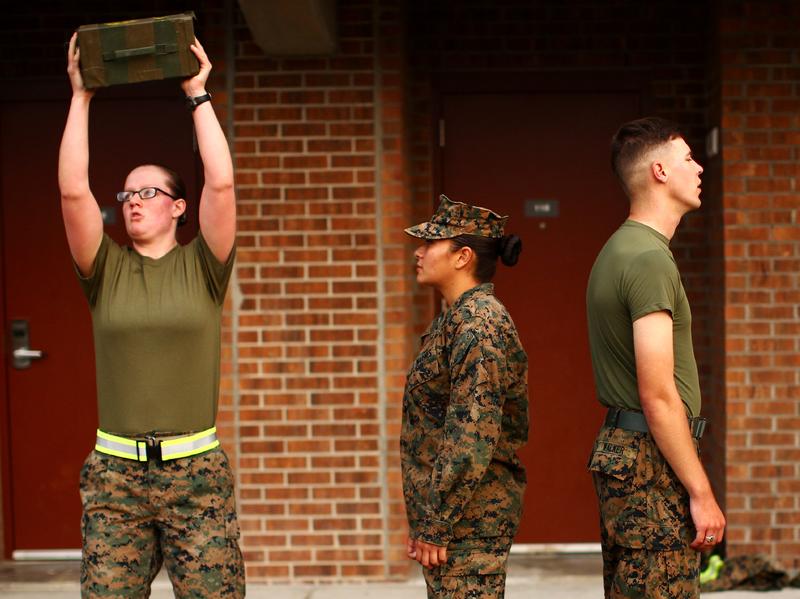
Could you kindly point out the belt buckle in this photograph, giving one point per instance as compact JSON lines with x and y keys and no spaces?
{"x":153,"y":447}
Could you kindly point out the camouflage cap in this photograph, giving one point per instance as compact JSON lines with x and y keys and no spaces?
{"x":452,"y":219}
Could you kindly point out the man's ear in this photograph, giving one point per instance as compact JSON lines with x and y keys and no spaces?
{"x":659,"y":171}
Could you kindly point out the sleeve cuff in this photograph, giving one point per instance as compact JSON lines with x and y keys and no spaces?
{"x":435,"y":532}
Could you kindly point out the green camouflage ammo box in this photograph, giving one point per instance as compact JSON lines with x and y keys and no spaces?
{"x":137,"y":50}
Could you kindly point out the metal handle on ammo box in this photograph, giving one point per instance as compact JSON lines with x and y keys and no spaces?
{"x":157,"y":49}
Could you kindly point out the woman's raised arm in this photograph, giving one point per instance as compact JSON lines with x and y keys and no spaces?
{"x":82,"y":218}
{"x":218,"y":200}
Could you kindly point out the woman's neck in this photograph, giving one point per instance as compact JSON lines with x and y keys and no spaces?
{"x":154,"y":248}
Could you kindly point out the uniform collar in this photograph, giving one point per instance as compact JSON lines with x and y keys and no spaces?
{"x":483,"y":289}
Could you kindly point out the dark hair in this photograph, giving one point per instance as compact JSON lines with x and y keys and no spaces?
{"x":634,"y":139}
{"x":176,"y":187}
{"x":487,"y":250}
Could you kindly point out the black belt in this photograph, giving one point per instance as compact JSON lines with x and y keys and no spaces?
{"x":635,"y":421}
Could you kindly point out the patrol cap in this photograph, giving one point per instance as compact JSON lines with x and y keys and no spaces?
{"x":452,"y":219}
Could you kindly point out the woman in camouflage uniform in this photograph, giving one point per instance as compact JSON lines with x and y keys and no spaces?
{"x":465,"y":410}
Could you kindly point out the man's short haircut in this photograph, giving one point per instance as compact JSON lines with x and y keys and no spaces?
{"x":635,"y":139}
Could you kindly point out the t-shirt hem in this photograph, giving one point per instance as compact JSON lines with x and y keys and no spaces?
{"x":651,"y":308}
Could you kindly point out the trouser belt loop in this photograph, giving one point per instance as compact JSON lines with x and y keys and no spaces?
{"x":611,"y":417}
{"x":151,"y":447}
{"x":635,"y":421}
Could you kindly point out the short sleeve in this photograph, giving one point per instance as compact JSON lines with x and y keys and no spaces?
{"x":90,"y":285}
{"x":217,"y":274}
{"x":651,"y":284}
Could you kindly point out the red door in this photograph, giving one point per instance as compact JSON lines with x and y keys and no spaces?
{"x":521,"y":155}
{"x":50,"y":409}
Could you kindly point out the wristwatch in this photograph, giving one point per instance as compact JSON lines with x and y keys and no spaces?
{"x":193,"y":102}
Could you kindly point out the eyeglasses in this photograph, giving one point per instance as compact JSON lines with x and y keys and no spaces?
{"x":145,"y":193}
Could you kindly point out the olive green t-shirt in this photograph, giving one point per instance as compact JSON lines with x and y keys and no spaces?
{"x":634,"y":275}
{"x":156,"y":326}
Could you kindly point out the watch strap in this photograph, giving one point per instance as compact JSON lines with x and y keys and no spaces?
{"x":193,"y":102}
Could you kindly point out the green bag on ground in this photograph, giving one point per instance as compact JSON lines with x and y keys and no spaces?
{"x":751,"y":572}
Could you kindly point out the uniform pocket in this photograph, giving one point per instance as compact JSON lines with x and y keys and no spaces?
{"x":428,"y":386}
{"x":612,"y":458}
{"x":422,"y":372}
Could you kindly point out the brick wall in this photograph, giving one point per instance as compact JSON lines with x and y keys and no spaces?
{"x":760,"y":75}
{"x":321,"y":273}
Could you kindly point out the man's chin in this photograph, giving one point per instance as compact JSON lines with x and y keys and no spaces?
{"x":693,"y":204}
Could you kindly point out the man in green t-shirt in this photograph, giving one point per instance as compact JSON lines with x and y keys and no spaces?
{"x":657,"y":508}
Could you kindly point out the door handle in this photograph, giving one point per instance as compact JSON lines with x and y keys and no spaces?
{"x":21,"y":353}
{"x":28,"y":354}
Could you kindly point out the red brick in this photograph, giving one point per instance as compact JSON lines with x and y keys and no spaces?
{"x":315,"y":571}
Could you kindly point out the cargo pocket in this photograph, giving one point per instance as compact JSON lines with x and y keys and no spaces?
{"x":613,"y":458}
{"x":621,"y":490}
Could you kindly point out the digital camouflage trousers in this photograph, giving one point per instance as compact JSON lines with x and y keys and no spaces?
{"x":475,"y":569}
{"x":645,"y":523}
{"x":138,"y":515}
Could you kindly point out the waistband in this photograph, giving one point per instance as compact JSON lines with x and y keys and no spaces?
{"x":150,"y":447}
{"x":635,"y":421}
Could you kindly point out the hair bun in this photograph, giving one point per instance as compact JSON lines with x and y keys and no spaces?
{"x":510,"y":248}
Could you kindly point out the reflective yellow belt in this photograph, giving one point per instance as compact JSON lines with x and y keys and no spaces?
{"x":151,"y":447}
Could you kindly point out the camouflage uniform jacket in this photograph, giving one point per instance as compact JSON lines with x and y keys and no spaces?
{"x":465,"y":413}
